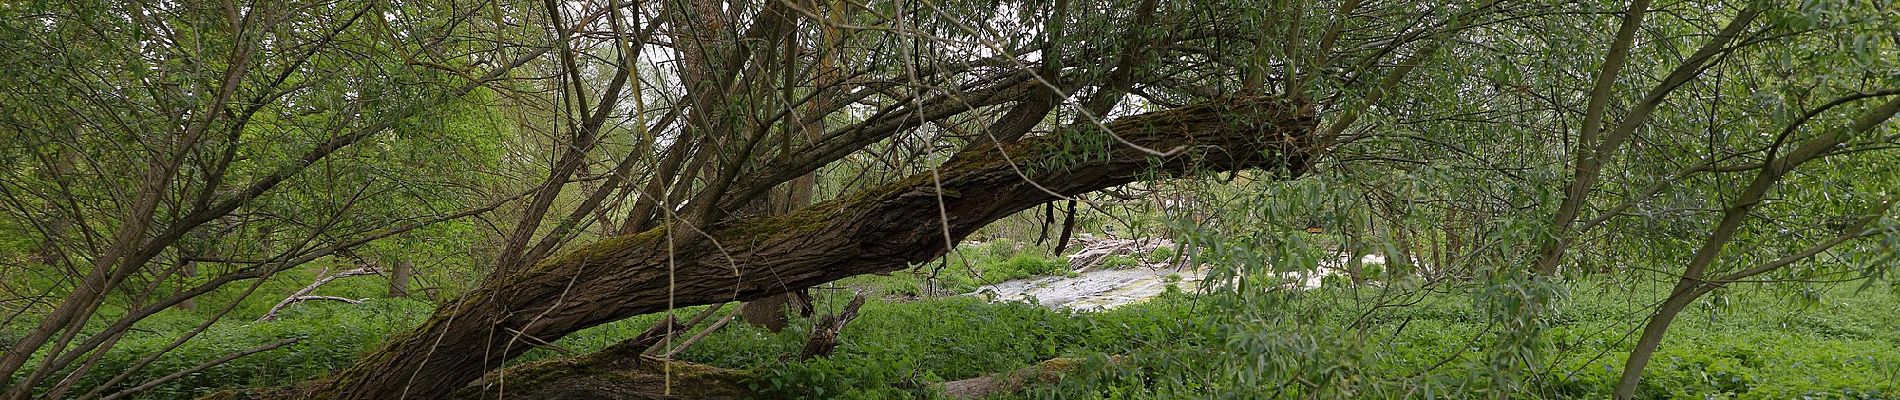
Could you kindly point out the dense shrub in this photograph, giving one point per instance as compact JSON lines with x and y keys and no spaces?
{"x":332,"y":337}
{"x":1399,"y":341}
{"x":1022,"y":266}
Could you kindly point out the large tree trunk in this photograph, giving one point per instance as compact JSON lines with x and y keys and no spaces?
{"x":877,"y":230}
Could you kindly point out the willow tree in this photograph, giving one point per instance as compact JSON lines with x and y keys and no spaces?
{"x":977,"y":110}
{"x":1744,"y":144}
{"x":1717,"y":130}
{"x":676,"y":146}
{"x":159,"y":152}
{"x":1700,"y":144}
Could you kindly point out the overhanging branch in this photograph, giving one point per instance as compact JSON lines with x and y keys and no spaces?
{"x":876,"y":230}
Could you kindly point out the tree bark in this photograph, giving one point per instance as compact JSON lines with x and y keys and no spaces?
{"x":877,"y":230}
{"x":768,"y":313}
{"x":399,"y":277}
{"x":824,"y":334}
{"x":1693,"y":282}
{"x":1593,"y":152}
{"x":1046,"y":372}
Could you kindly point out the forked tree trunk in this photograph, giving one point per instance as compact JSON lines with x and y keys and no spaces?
{"x":876,"y":230}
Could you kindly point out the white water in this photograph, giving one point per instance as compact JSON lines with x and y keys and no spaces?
{"x":1108,"y":289}
{"x":1095,"y":290}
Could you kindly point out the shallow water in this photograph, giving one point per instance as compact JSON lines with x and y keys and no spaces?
{"x":1108,"y":289}
{"x":1095,"y":290}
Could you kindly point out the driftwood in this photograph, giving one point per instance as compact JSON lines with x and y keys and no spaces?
{"x":617,"y":372}
{"x":654,"y":348}
{"x":653,"y":336}
{"x":1095,"y":252}
{"x":824,"y":334}
{"x":721,"y":323}
{"x":1048,"y":371}
{"x":304,"y":294}
{"x":329,"y":298}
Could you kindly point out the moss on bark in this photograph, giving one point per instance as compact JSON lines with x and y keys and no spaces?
{"x":879,"y":230}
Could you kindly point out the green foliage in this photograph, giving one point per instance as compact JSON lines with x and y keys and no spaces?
{"x":1326,"y":343}
{"x":1119,"y":261}
{"x":1462,"y":163}
{"x":1443,"y":345}
{"x":1161,"y":254}
{"x":895,"y":349}
{"x":1022,"y":266}
{"x":966,"y":269}
{"x":1329,"y":343}
{"x":332,"y":336}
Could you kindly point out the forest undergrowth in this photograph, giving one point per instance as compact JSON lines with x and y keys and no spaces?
{"x":1396,"y":339}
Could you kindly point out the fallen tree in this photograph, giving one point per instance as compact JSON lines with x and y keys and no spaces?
{"x":1046,"y":372}
{"x":878,"y":230}
{"x":302,"y":295}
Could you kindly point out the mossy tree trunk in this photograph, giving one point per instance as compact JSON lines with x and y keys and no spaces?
{"x":877,"y":230}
